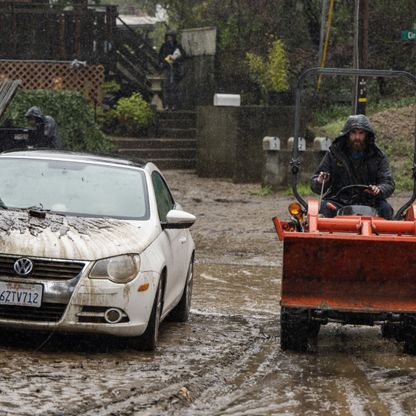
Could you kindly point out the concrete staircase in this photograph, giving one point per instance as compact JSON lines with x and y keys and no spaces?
{"x":174,"y":146}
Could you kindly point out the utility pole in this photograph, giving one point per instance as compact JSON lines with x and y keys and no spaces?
{"x":322,"y":32}
{"x":360,"y":59}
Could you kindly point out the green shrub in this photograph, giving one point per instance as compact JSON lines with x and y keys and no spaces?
{"x":111,"y":87}
{"x":73,"y":115}
{"x":270,"y":74}
{"x":133,"y":114}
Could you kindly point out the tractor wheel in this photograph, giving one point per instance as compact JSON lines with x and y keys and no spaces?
{"x":314,"y":328}
{"x":409,"y":334}
{"x":294,"y":329}
{"x":392,"y":331}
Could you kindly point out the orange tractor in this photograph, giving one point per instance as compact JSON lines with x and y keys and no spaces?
{"x":356,"y":268}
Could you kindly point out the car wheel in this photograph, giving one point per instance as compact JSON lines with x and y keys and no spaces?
{"x":180,"y":313}
{"x":149,"y":339}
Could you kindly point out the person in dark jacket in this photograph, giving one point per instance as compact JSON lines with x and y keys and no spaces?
{"x":352,"y":159}
{"x":171,"y":56}
{"x":46,"y":125}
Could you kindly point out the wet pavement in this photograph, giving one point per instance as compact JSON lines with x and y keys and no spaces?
{"x":226,"y":360}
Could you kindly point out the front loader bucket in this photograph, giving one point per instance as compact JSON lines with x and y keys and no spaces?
{"x":349,"y":263}
{"x":349,"y":272}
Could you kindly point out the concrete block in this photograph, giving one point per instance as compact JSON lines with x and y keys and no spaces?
{"x":301,"y":144}
{"x":199,"y":41}
{"x":271,"y":143}
{"x":321,"y":144}
{"x":227,"y":100}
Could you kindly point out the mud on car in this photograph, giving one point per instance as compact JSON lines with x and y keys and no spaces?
{"x":91,"y":244}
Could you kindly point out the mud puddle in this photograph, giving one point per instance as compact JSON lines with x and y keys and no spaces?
{"x":225,"y":361}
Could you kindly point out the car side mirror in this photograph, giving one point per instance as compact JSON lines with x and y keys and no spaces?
{"x":178,"y":219}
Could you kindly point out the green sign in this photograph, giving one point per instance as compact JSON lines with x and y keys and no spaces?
{"x":408,"y":34}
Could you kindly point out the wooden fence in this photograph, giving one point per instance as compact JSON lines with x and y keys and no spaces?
{"x":87,"y":79}
{"x":41,"y":31}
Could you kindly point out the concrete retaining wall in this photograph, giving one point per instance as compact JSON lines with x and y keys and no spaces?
{"x":230,"y":139}
{"x":277,"y":172}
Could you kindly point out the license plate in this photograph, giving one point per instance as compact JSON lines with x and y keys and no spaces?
{"x":21,"y":136}
{"x":22,"y":294}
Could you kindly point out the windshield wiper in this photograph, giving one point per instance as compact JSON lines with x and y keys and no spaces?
{"x":37,"y":211}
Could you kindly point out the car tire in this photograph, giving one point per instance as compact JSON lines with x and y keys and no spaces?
{"x":148,"y":341}
{"x":180,"y":313}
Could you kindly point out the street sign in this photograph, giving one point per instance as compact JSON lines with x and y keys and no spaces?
{"x":408,"y":35}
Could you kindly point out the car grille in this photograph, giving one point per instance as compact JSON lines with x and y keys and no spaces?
{"x":43,"y":269}
{"x":51,"y":312}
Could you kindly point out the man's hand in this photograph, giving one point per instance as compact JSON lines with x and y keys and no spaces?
{"x":323,"y":176}
{"x":374,"y":190}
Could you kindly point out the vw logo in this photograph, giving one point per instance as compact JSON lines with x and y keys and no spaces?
{"x":23,"y":266}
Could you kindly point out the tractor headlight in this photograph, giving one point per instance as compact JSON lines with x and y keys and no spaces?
{"x":295,"y":210}
{"x":119,"y":269}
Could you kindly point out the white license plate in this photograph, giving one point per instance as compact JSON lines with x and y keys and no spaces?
{"x":21,"y":136}
{"x":23,"y":294}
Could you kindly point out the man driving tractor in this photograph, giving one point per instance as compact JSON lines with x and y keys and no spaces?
{"x":354,"y":159}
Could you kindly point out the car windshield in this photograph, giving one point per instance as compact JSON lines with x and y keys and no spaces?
{"x":74,"y":188}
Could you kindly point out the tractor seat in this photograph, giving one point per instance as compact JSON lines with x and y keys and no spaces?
{"x":362,"y":210}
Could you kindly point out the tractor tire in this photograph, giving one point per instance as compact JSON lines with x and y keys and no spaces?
{"x":409,"y":334}
{"x":392,"y":331}
{"x":314,"y":328}
{"x":294,"y":329}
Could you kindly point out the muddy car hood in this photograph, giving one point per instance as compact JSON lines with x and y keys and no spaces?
{"x":72,"y":238}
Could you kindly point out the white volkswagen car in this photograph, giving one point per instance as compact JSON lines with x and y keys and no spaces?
{"x":91,"y":244}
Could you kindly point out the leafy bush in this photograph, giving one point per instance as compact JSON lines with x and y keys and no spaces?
{"x":74,"y":117}
{"x":133,"y":114}
{"x":111,"y":87}
{"x":270,"y":74}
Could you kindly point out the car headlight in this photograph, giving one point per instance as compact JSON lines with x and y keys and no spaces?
{"x":119,"y":269}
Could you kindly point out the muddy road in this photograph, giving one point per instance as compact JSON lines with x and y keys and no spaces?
{"x":226,"y":360}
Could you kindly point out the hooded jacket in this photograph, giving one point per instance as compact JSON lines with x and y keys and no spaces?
{"x":338,"y":163}
{"x":172,"y":48}
{"x":50,"y":129}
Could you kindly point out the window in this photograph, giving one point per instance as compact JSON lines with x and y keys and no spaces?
{"x":74,"y":188}
{"x":164,"y":198}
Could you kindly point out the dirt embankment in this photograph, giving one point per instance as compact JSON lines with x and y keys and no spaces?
{"x":395,"y":124}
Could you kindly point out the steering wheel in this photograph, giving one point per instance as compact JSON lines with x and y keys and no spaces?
{"x":355,"y":191}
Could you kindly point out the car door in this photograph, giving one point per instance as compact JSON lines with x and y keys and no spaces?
{"x":173,"y":242}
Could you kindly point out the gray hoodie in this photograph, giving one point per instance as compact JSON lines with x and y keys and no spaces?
{"x":50,"y":128}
